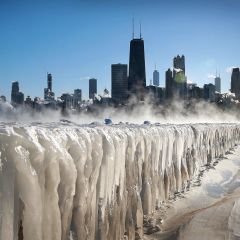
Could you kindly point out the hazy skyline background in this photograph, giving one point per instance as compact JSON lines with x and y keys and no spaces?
{"x":75,"y":40}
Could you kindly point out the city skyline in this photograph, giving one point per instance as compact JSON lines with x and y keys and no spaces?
{"x":55,"y":38}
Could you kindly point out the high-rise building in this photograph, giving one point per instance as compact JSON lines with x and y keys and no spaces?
{"x":29,"y":102}
{"x":180,"y":84}
{"x":67,"y":99}
{"x":72,"y":101}
{"x":15,"y":89}
{"x":92,"y":88}
{"x":169,"y":84}
{"x":119,"y":82}
{"x":235,"y":82}
{"x":156,"y":78}
{"x":194,"y":92}
{"x":209,"y":92}
{"x":17,"y":97}
{"x":77,"y":97}
{"x":179,"y":77}
{"x":49,"y":80}
{"x":179,"y":63}
{"x":78,"y":94}
{"x":137,"y":72}
{"x":48,"y":93}
{"x":156,"y":94}
{"x":218,"y":84}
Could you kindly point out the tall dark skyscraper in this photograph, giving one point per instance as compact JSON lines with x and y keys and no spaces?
{"x":137,"y":72}
{"x":48,"y":93}
{"x":235,"y":82}
{"x":119,"y":82}
{"x":180,"y":81}
{"x":218,"y":84}
{"x":179,"y":63}
{"x":180,"y":84}
{"x":17,"y":97}
{"x":92,"y":88}
{"x":169,"y":84}
{"x":49,"y":79}
{"x":156,"y":78}
{"x":15,"y":89}
{"x":77,"y":98}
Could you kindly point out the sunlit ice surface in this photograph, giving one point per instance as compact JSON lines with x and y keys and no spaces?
{"x":97,"y":181}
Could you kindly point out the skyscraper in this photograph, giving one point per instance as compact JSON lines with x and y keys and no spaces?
{"x":218,"y":84}
{"x":77,"y":98}
{"x":137,"y":73}
{"x":119,"y":82}
{"x":15,"y":90}
{"x":169,"y":84}
{"x":179,"y":63}
{"x":194,"y":92}
{"x":92,"y":88}
{"x":49,"y":79}
{"x":180,"y":84}
{"x":235,"y":82}
{"x":48,"y":93}
{"x":17,"y":97}
{"x":78,"y":94}
{"x":209,"y":92}
{"x":156,"y":78}
{"x":180,"y":81}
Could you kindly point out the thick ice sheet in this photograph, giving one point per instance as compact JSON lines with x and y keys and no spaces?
{"x":99,"y":180}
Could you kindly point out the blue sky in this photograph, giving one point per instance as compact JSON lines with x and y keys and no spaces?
{"x":75,"y":39}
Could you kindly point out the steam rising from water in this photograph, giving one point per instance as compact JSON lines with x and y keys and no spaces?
{"x":176,"y":112}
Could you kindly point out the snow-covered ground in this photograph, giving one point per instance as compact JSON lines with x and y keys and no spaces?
{"x":210,"y":210}
{"x":98,"y":180}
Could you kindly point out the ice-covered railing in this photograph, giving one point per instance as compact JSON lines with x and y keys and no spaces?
{"x":96,"y":182}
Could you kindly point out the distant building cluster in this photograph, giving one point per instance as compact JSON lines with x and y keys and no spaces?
{"x":126,"y":84}
{"x":128,"y":81}
{"x":66,"y":100}
{"x":176,"y":85}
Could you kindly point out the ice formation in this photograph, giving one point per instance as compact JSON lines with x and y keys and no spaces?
{"x":96,"y":180}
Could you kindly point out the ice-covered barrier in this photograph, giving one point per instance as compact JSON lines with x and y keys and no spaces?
{"x":97,"y":181}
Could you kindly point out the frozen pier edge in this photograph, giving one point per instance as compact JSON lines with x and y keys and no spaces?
{"x":97,"y":181}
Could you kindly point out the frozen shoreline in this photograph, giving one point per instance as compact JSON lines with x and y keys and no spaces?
{"x":209,"y":211}
{"x":98,"y":181}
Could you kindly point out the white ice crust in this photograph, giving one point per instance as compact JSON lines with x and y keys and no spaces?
{"x":97,"y":180}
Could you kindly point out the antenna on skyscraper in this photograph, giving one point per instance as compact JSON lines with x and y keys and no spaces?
{"x":133,"y":27}
{"x":140,"y":30}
